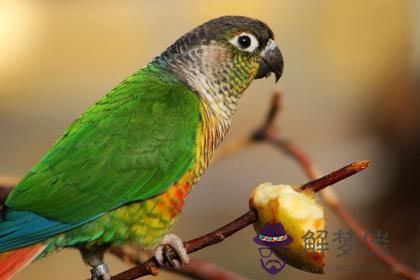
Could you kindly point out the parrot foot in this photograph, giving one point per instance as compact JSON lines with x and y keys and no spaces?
{"x":100,"y":272}
{"x":172,"y":252}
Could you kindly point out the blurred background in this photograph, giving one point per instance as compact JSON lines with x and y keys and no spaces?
{"x":351,"y":84}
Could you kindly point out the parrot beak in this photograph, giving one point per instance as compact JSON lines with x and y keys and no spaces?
{"x":271,"y":60}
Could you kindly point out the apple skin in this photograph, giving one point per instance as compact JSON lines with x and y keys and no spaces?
{"x":298,"y":211}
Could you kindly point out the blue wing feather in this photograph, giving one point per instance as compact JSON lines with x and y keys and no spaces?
{"x":22,"y":228}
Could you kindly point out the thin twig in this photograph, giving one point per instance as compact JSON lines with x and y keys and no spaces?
{"x":231,"y":149}
{"x":318,"y":184}
{"x":266,"y":130}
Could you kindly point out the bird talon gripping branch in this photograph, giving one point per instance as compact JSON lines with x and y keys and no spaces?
{"x":164,"y":253}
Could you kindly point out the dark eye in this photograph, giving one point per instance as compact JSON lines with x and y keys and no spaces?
{"x":244,"y":41}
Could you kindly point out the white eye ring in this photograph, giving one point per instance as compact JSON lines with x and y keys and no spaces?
{"x":245,"y":42}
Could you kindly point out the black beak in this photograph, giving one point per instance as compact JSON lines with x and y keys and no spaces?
{"x":271,"y":60}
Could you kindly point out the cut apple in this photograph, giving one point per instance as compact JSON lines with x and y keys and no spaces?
{"x":299,"y":212}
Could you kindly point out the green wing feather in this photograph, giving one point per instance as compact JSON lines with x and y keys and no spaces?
{"x":131,"y":145}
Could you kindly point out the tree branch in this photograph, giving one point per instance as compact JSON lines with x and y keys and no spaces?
{"x":318,"y":184}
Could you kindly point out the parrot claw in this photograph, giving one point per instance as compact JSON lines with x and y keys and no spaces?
{"x":172,"y":252}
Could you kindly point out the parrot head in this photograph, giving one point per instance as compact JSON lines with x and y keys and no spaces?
{"x":220,"y":58}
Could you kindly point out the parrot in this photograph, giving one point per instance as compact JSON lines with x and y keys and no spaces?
{"x":120,"y":174}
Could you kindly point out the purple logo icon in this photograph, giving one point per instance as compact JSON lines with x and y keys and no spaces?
{"x":272,"y":235}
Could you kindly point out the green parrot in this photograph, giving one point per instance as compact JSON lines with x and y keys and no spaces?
{"x":121,"y":172}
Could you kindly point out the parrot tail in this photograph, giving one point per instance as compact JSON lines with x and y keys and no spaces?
{"x":12,"y":262}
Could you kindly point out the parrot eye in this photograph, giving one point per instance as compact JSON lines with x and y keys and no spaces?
{"x":245,"y":42}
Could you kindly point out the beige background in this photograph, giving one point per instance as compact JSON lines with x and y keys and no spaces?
{"x":341,"y":59}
